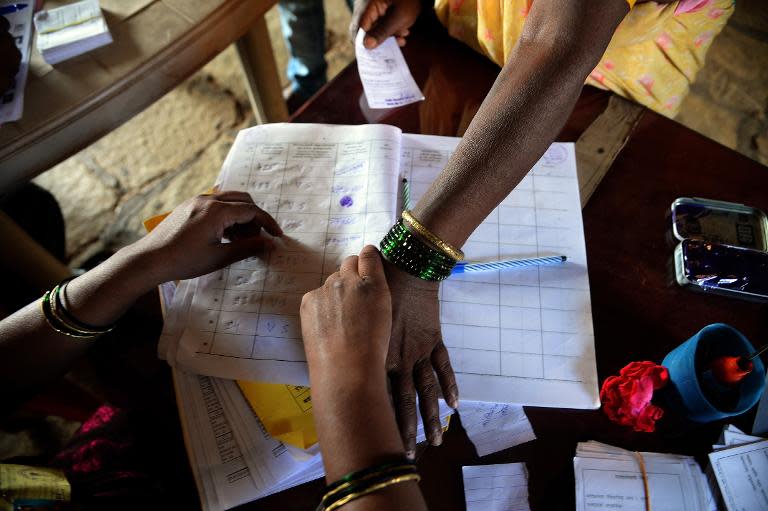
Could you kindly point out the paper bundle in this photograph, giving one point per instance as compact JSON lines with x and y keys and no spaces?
{"x":739,"y":470}
{"x":611,"y":477}
{"x":71,"y":30}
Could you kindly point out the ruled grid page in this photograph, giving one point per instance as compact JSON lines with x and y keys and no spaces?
{"x":501,"y":487}
{"x":523,"y":335}
{"x":332,"y":189}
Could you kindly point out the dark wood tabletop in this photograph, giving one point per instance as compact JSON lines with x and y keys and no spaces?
{"x":638,"y":312}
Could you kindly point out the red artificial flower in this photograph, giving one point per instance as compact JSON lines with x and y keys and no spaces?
{"x":627,"y":398}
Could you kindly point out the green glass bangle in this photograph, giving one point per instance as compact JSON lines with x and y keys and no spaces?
{"x":414,"y":256}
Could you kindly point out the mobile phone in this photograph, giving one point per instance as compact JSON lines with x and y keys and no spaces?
{"x":722,"y":269}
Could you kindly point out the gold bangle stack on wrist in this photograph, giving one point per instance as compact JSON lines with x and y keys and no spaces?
{"x":62,"y":321}
{"x":363,"y":482}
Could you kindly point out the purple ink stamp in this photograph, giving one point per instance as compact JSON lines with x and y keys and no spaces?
{"x":346,"y":201}
{"x":554,"y":155}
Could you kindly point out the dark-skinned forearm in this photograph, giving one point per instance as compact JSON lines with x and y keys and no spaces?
{"x":31,"y":352}
{"x":521,"y":115}
{"x":357,"y":429}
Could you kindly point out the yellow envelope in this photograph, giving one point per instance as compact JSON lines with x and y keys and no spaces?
{"x":285,"y":410}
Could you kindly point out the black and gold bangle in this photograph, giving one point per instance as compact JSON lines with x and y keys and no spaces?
{"x":408,"y":252}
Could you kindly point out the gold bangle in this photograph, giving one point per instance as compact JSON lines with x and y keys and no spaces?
{"x":45,"y":306}
{"x":448,"y":249}
{"x":65,"y":318}
{"x":372,"y":475}
{"x":371,"y":489}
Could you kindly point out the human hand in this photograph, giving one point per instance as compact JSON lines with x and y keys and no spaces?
{"x":10,"y":56}
{"x":383,"y":18}
{"x":188,"y":242}
{"x":416,"y":353}
{"x":346,"y":326}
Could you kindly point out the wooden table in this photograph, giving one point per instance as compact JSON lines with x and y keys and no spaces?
{"x":157,"y":44}
{"x":639,"y":314}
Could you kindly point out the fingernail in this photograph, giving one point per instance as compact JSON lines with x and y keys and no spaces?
{"x":453,"y":401}
{"x":411,"y":455}
{"x":369,"y":42}
{"x":437,"y":437}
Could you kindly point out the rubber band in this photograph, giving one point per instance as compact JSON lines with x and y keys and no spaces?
{"x":641,"y":462}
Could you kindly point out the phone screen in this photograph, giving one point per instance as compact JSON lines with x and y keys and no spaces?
{"x":727,"y":267}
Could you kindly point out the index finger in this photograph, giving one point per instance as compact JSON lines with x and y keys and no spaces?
{"x":369,"y":264}
{"x":242,"y":212}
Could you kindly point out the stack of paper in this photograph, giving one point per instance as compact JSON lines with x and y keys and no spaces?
{"x":71,"y":30}
{"x":739,"y":470}
{"x":12,"y":100}
{"x":496,"y":487}
{"x":610,"y":477}
{"x":233,"y":457}
{"x":522,"y":336}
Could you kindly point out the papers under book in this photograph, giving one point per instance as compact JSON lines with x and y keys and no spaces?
{"x":71,"y":30}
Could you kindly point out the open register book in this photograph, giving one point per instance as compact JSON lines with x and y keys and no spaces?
{"x":515,"y":336}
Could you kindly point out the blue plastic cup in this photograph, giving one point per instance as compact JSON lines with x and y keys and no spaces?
{"x":687,"y":373}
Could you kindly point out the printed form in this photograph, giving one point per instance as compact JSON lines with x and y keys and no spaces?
{"x":516,"y":336}
{"x":332,"y":190}
{"x":742,"y":475}
{"x":386,"y":79}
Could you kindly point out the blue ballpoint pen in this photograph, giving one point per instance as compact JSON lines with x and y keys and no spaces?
{"x":11,"y":8}
{"x":471,"y":267}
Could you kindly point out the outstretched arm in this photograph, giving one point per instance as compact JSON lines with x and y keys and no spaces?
{"x":346,"y":328}
{"x":521,"y":115}
{"x":184,"y":245}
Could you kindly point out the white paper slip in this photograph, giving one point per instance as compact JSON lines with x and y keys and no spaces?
{"x":386,"y":79}
{"x":12,"y":100}
{"x":496,"y":487}
{"x":71,"y":30}
{"x":493,"y":427}
{"x":742,"y":476}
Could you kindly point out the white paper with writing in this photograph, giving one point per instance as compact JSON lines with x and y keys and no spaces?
{"x":332,"y":190}
{"x":493,"y":427}
{"x":609,"y":477}
{"x":525,"y":335}
{"x":496,"y":487}
{"x":522,"y":336}
{"x":386,"y":79}
{"x":742,"y":475}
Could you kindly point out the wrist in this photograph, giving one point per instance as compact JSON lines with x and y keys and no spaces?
{"x":396,"y":276}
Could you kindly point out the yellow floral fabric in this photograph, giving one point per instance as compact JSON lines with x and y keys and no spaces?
{"x":652,"y":59}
